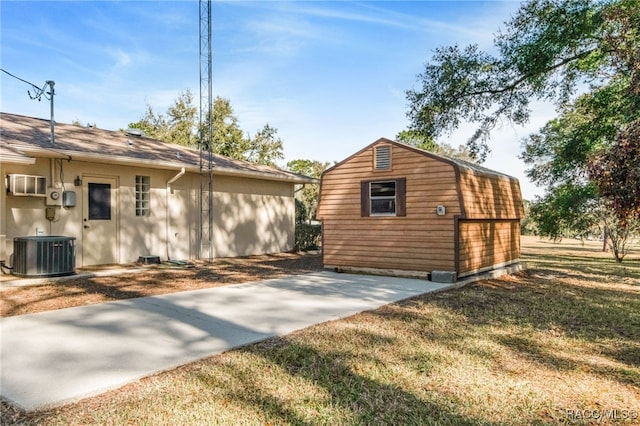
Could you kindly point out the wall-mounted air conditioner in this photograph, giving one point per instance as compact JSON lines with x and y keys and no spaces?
{"x":27,"y":185}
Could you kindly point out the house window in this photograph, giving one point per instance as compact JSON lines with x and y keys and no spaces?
{"x":143,"y":197}
{"x":383,"y":198}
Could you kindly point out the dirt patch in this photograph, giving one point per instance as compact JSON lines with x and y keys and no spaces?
{"x":152,"y":281}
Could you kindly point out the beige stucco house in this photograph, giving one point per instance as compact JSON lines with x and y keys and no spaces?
{"x":122,"y":196}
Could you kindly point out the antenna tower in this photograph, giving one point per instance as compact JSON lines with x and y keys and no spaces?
{"x":206,"y":134}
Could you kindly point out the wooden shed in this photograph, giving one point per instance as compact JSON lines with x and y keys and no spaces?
{"x":392,"y":207}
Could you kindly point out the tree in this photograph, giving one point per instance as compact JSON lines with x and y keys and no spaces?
{"x":616,"y":173}
{"x":177,"y":126}
{"x":560,"y":151}
{"x":309,"y":194}
{"x":528,"y":225}
{"x":228,"y":138}
{"x":181,"y":120}
{"x":153,"y":125}
{"x":180,"y":123}
{"x":618,"y":233}
{"x":558,"y":157}
{"x":418,"y":140}
{"x":572,"y":153}
{"x":569,"y":210}
{"x":549,"y":49}
{"x":264,"y":147}
{"x":302,"y":215}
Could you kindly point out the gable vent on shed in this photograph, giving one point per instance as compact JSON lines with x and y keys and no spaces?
{"x":383,"y":157}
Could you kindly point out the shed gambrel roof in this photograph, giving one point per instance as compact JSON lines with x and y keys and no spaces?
{"x":483,"y":192}
{"x":22,"y":139}
{"x":473,"y":167}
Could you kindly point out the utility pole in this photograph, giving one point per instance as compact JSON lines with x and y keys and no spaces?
{"x":206,"y":133}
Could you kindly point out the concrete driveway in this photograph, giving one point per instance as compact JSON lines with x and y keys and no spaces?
{"x":52,"y":358}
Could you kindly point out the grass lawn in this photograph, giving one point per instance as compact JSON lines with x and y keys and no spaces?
{"x":558,"y":343}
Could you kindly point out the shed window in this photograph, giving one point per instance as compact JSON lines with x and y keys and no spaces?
{"x":383,"y":198}
{"x":143,"y":195}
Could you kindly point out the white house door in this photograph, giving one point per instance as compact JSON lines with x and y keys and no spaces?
{"x":99,"y":220}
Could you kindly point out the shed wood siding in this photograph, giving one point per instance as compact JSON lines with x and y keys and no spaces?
{"x":484,"y":243}
{"x":419,"y":241}
{"x":490,"y":196}
{"x":479,"y":230}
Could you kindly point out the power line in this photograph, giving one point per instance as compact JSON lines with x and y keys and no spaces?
{"x":39,"y":92}
{"x":38,"y":95}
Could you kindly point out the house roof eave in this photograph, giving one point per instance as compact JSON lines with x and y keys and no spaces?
{"x":163,"y":165}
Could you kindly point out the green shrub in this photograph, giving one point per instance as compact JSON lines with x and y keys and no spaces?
{"x":307,"y":237}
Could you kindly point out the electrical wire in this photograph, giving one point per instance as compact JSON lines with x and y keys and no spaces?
{"x":61,"y":174}
{"x":39,"y":92}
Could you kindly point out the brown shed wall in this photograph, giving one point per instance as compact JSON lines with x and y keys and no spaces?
{"x":419,"y":241}
{"x":481,"y":227}
{"x":489,"y":234}
{"x":490,"y":196}
{"x":487,"y":243}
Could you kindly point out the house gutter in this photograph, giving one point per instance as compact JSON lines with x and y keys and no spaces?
{"x":168,"y":213}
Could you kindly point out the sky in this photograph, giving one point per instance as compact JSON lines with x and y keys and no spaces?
{"x":330,"y":76}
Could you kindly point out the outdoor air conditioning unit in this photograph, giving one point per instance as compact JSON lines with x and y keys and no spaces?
{"x":44,"y":256}
{"x":27,"y":185}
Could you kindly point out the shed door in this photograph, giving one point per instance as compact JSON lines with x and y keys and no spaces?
{"x":100,"y":220}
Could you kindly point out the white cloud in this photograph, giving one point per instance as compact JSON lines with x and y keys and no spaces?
{"x":121,"y":59}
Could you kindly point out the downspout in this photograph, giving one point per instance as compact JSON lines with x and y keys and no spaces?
{"x":168,"y":214}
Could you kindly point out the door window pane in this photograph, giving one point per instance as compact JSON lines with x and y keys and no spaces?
{"x":99,"y":201}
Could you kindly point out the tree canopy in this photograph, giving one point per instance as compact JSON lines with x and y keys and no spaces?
{"x":418,"y":140}
{"x":616,"y":174}
{"x":583,"y":55}
{"x":309,"y":194}
{"x":180,"y":124}
{"x":549,"y":50}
